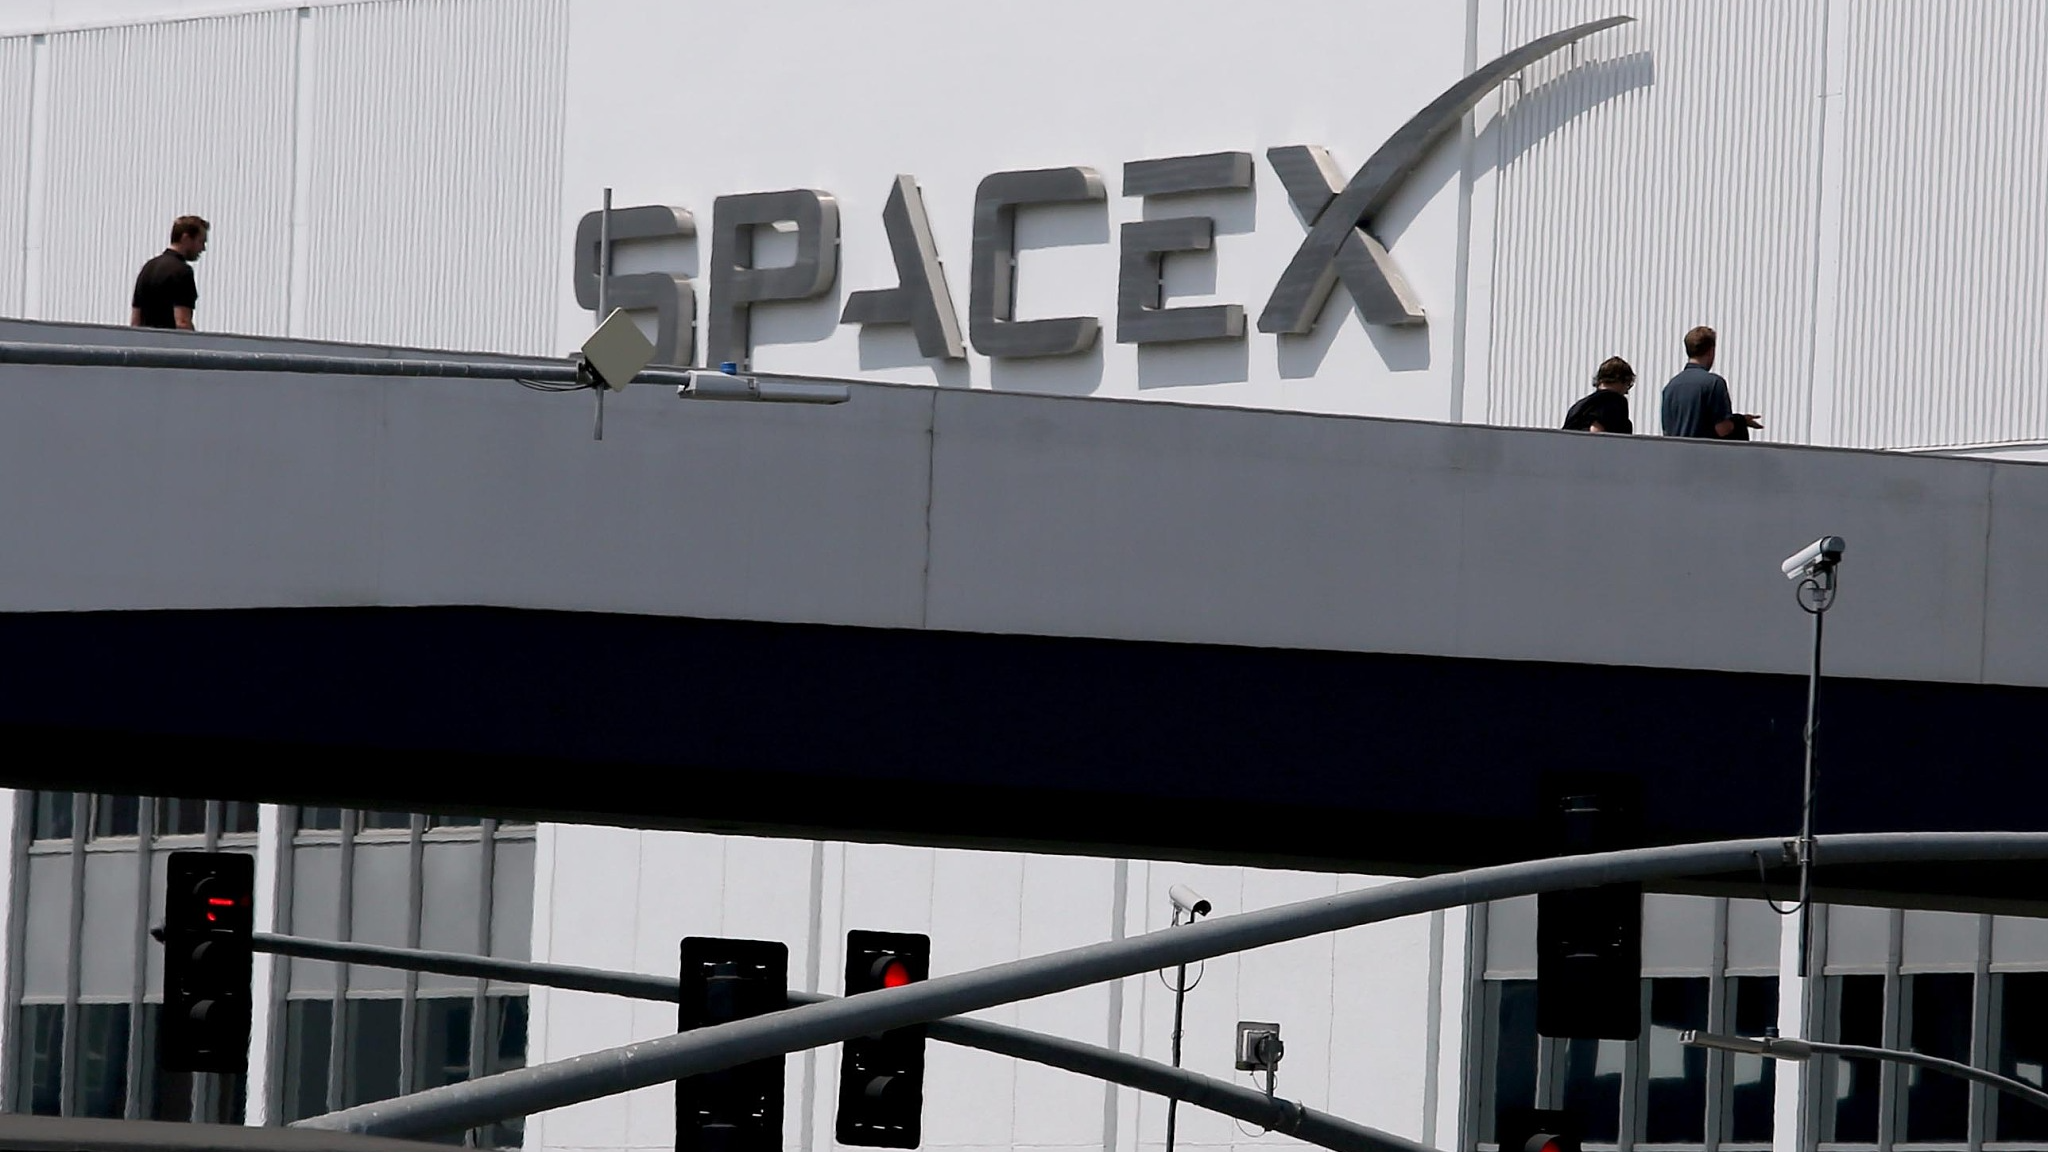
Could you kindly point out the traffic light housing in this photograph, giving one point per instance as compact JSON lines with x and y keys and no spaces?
{"x":737,"y":1109}
{"x":209,"y":911}
{"x":1589,"y":941}
{"x":1536,"y":1130}
{"x":881,"y":1077}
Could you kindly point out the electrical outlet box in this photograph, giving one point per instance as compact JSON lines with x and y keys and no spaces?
{"x":1258,"y":1046}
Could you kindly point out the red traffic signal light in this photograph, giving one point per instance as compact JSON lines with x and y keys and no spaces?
{"x":881,"y":1078}
{"x":209,"y":903}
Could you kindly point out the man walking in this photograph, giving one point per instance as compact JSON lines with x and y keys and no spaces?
{"x":1606,"y":409}
{"x":1696,"y":401}
{"x":165,"y":292}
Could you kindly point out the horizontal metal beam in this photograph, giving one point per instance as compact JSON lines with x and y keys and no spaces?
{"x":75,"y":1134}
{"x":1221,"y":1096}
{"x":604,"y":1073}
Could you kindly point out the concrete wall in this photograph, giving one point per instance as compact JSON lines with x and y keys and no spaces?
{"x":966,"y":510}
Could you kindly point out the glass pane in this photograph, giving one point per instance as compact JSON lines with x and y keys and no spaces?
{"x":439,"y":821}
{"x":371,"y":821}
{"x":175,"y":817}
{"x":1752,"y":1080}
{"x":441,"y":1040}
{"x":370,"y":1065}
{"x":1678,"y":1075}
{"x":441,"y":1046}
{"x":103,"y":1060}
{"x":238,"y":816}
{"x":308,"y":1034}
{"x":1855,"y":1016}
{"x":115,"y":815}
{"x":39,"y":1077}
{"x":1514,"y":1050}
{"x":1592,"y":1086}
{"x":1937,"y":1104}
{"x":50,"y":816}
{"x":165,"y":1095}
{"x":506,"y":1051}
{"x":2022,"y":1053}
{"x":319,"y":819}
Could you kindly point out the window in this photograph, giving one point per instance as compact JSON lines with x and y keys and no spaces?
{"x":1512,"y":1004}
{"x":2022,"y":1053}
{"x":1592,"y":1086}
{"x":39,"y":1068}
{"x":103,"y":1060}
{"x":165,"y":1095}
{"x":181,"y":817}
{"x":115,"y":816}
{"x":441,"y":1040}
{"x":308,"y":1036}
{"x":238,"y":816}
{"x":370,"y":1067}
{"x":384,"y":821}
{"x":440,"y":821}
{"x":1752,"y":1080}
{"x":50,"y":816}
{"x":319,"y":819}
{"x":1850,"y":1087}
{"x":1936,"y":1105}
{"x":1677,"y":1112}
{"x":505,"y":1050}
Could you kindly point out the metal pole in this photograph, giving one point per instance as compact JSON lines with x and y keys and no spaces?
{"x":1787,"y":1048}
{"x":1806,"y":809}
{"x":1219,"y":1096}
{"x":587,"y":1077}
{"x":1180,"y":999}
{"x":604,"y":284}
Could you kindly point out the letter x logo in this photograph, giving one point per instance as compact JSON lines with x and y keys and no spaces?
{"x":1338,"y":245}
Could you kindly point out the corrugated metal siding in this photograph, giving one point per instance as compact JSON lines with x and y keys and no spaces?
{"x":436,"y":172}
{"x":154,"y":121}
{"x":1661,"y":175}
{"x":17,"y":78}
{"x":1943,"y":280}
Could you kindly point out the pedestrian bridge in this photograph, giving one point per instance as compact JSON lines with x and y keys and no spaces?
{"x":949,"y":616}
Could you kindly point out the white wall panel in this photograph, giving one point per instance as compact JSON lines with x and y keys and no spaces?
{"x":150,"y":122}
{"x":17,"y":75}
{"x":433,"y":141}
{"x":1658,"y":177}
{"x":1943,"y":276}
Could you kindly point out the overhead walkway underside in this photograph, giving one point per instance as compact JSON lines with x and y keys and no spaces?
{"x":955,"y":617}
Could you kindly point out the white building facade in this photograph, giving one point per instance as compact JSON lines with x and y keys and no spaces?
{"x":1848,"y":191}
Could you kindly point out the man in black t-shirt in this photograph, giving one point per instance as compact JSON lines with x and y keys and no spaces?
{"x":1606,"y":410}
{"x":165,"y":292}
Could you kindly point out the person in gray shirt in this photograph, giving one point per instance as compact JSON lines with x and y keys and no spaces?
{"x":1696,"y":402}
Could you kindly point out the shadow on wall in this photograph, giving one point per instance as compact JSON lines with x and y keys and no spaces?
{"x":895,"y":346}
{"x":1188,"y":275}
{"x":1542,"y":110}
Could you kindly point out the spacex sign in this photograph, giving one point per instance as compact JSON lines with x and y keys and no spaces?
{"x":1339,"y":247}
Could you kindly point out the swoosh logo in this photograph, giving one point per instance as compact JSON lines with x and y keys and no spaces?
{"x":1338,"y":245}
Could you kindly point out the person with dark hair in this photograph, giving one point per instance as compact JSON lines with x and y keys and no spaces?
{"x":1696,"y":402}
{"x":165,"y":292}
{"x":1606,"y":408}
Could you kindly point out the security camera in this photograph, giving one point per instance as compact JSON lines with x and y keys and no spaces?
{"x":1817,"y":557}
{"x":1186,"y":899}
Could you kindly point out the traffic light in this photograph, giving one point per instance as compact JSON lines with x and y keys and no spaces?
{"x":738,"y":1109}
{"x":881,"y":1077}
{"x":209,"y":910}
{"x":1536,"y":1130}
{"x":1589,"y":941}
